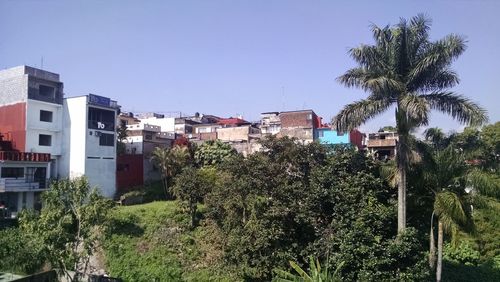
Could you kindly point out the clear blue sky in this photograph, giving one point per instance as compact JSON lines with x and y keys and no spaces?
{"x":234,"y":57}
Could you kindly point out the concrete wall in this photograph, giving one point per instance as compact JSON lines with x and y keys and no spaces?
{"x":13,"y":124}
{"x":233,"y":133}
{"x":35,"y":127}
{"x":329,"y":136}
{"x":74,"y":137}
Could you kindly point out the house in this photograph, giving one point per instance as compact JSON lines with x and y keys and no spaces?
{"x":328,"y":136}
{"x":382,"y":144}
{"x":31,"y":109}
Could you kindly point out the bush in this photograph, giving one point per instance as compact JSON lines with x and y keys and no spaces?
{"x":462,"y":254}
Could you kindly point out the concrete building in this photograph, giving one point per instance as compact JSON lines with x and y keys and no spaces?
{"x":328,"y":136}
{"x":31,"y":125}
{"x":382,"y":144}
{"x":299,"y":124}
{"x":270,"y":123}
{"x":89,"y":141}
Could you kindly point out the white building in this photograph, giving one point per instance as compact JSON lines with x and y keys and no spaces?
{"x":30,"y":126}
{"x":89,"y":141}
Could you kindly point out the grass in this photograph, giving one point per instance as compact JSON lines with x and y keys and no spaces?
{"x":154,"y":242}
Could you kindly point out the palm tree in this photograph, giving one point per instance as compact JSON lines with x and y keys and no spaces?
{"x":436,"y":137}
{"x":447,"y":178}
{"x":456,"y":187}
{"x":406,"y":70}
{"x":169,"y":161}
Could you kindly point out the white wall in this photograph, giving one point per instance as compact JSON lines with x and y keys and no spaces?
{"x":74,"y":137}
{"x":166,"y":124}
{"x":35,"y":127}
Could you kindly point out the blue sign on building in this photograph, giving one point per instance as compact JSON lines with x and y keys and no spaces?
{"x":99,"y":100}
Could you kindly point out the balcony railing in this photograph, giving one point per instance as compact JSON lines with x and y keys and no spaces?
{"x":24,"y":156}
{"x":22,"y":185}
{"x":381,"y":143}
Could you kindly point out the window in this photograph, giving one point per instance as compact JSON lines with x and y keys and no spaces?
{"x":46,"y":91}
{"x":101,"y":119}
{"x":44,"y":140}
{"x":148,"y":136}
{"x":12,"y":172}
{"x":45,"y":116}
{"x":321,"y":133}
{"x":107,"y":139}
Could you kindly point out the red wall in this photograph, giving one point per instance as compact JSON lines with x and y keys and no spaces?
{"x":129,"y":172}
{"x":13,"y":125}
{"x":356,"y":138}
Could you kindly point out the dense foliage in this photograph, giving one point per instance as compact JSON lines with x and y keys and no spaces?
{"x":293,"y":200}
{"x":68,"y":227}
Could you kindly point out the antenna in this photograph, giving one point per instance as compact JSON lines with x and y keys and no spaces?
{"x":41,"y":65}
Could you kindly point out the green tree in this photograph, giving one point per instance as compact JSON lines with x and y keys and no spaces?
{"x":69,"y":225}
{"x":213,"y":153}
{"x":456,"y":187}
{"x":170,"y":162}
{"x":192,"y":185}
{"x":121,"y":135}
{"x":406,"y":70}
{"x":20,"y":252}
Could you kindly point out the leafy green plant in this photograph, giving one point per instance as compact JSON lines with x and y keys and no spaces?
{"x":316,"y":273}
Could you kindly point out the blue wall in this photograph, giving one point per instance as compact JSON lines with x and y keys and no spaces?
{"x":330,"y":137}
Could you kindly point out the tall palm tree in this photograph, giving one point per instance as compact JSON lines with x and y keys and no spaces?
{"x":169,"y":161}
{"x":447,"y":178}
{"x":406,"y":70}
{"x":456,"y":187}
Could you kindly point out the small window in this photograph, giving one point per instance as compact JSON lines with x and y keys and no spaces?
{"x":321,"y":133}
{"x":148,"y":136}
{"x":45,"y":116}
{"x":46,"y":91}
{"x":107,"y":139}
{"x":44,"y":140}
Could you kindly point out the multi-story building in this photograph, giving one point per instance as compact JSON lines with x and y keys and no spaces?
{"x":270,"y":123}
{"x":89,"y":140}
{"x":382,"y":144}
{"x":31,"y":128}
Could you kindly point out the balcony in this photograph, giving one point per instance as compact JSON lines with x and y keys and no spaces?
{"x":22,"y":185}
{"x":381,"y":143}
{"x":24,"y":156}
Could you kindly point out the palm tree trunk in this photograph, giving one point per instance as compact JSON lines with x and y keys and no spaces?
{"x":432,"y":247}
{"x":401,"y":199}
{"x":439,"y":267}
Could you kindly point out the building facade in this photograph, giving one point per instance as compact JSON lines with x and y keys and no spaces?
{"x":89,"y":141}
{"x":31,"y":128}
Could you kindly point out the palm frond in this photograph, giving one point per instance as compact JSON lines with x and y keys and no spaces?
{"x":460,"y":108}
{"x":437,"y":56}
{"x":355,"y":114}
{"x":367,"y":56}
{"x":450,"y":210}
{"x":416,"y":109}
{"x":375,"y":82}
{"x":485,"y":183}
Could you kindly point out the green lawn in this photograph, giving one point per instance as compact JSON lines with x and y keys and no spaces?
{"x":153,"y":242}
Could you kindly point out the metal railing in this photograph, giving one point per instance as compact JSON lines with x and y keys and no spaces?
{"x":24,"y":156}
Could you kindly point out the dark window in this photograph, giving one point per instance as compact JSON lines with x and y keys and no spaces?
{"x":12,"y":172}
{"x":45,"y":116}
{"x":148,"y":136}
{"x":101,"y":119}
{"x":44,"y":140}
{"x":46,"y":91}
{"x":340,"y":133}
{"x":107,"y":139}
